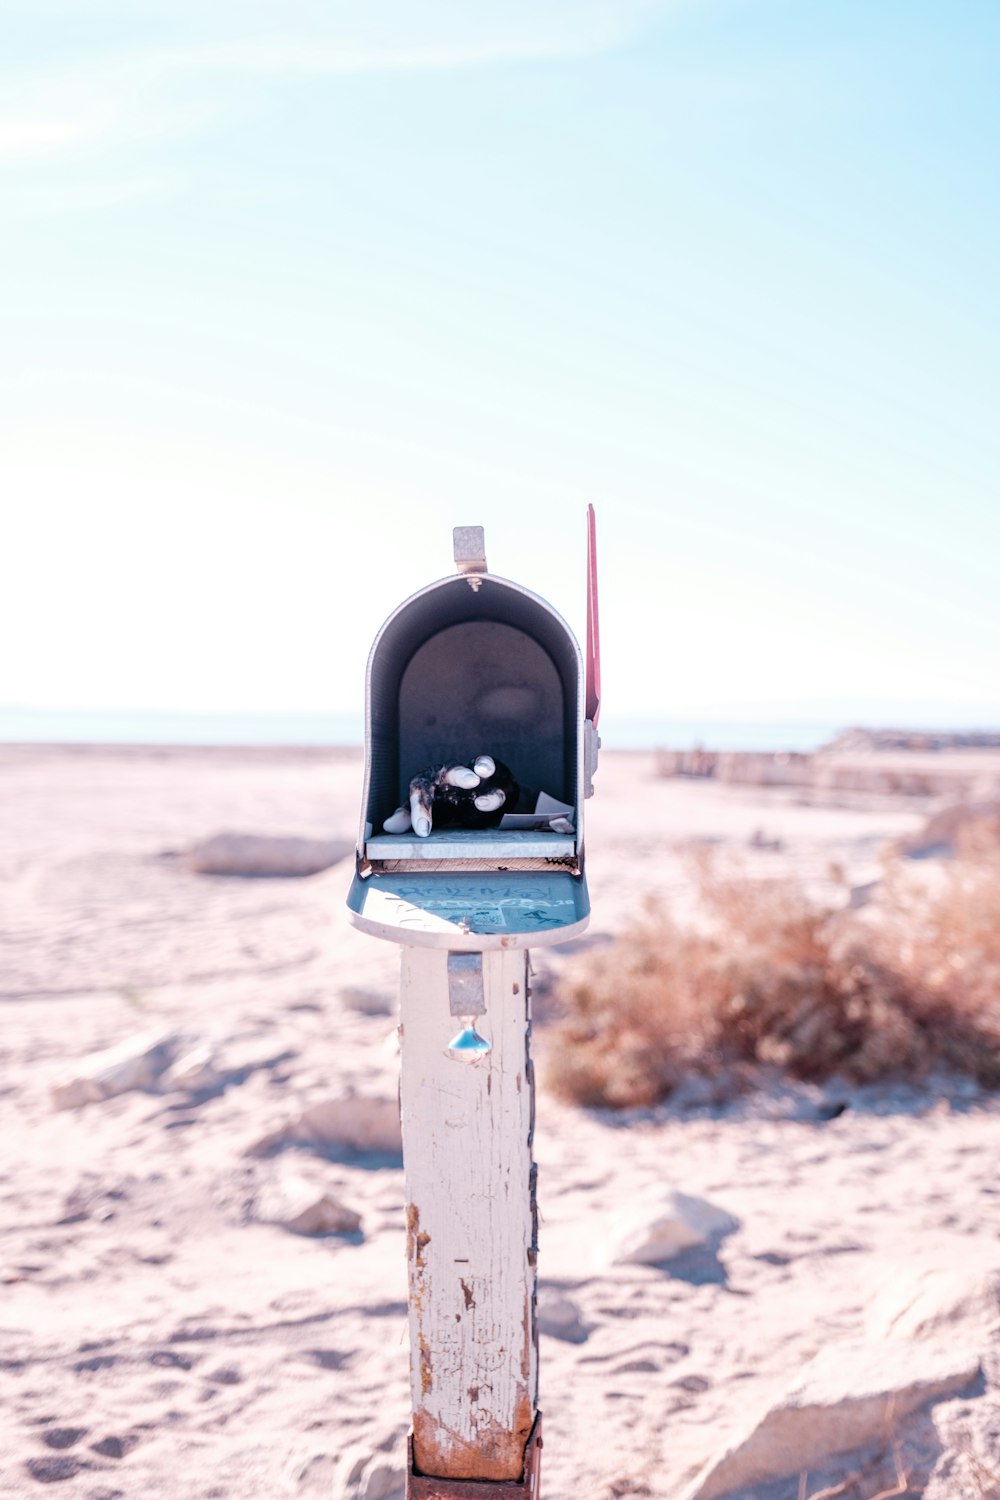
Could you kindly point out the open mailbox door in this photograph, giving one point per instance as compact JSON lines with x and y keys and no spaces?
{"x":471,"y":912}
{"x":475,"y":663}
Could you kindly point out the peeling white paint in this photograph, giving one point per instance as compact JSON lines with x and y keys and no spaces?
{"x":469,"y":1189}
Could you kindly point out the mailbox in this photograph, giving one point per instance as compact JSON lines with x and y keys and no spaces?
{"x":475,"y":664}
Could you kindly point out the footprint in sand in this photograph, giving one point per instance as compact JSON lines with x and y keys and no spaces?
{"x":63,"y":1437}
{"x":651,"y":1358}
{"x":55,"y":1467}
{"x":115,"y":1445}
{"x":170,"y":1359}
{"x":95,"y":1362}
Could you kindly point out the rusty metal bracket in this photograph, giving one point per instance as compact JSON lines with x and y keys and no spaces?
{"x":528,"y":1487}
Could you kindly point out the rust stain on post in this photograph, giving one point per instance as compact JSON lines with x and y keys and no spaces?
{"x":527,"y":1486}
{"x":417,"y":1239}
{"x":497,"y":1453}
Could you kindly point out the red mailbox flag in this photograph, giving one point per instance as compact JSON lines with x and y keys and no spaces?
{"x":593,"y":625}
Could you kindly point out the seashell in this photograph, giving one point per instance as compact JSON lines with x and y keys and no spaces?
{"x":462,"y":777}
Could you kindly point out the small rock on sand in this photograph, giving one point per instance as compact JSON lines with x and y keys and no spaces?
{"x":367,"y":1476}
{"x":366,"y":1001}
{"x":194,"y":1069}
{"x":353,"y":1122}
{"x":258,"y":855}
{"x":843,"y":1400}
{"x":296,"y":1205}
{"x":667,"y":1225}
{"x":560,"y":1318}
{"x":134,"y":1064}
{"x":217,"y":1062}
{"x":957,"y":1295}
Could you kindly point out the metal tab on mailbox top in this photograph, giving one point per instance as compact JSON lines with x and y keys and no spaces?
{"x":468,"y":665}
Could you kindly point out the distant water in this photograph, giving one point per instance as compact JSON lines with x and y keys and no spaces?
{"x":135,"y":727}
{"x":148,"y":727}
{"x":682,"y":734}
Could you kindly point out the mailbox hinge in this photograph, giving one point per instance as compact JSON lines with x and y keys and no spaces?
{"x":470,"y":552}
{"x":591,"y":745}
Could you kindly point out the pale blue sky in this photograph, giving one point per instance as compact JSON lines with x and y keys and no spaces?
{"x":292,"y":288}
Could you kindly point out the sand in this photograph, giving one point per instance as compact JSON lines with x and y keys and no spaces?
{"x":158,"y":1338}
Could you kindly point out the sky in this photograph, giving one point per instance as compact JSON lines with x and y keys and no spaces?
{"x":291,"y":289}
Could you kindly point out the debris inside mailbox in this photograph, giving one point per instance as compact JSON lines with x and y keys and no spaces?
{"x":480,"y":793}
{"x":548,"y":812}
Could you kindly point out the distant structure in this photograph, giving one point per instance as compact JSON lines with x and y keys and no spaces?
{"x":754,"y":767}
{"x":897,"y":762}
{"x":861,"y":740}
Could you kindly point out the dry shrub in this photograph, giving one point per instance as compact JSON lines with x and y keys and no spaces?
{"x":771,"y":976}
{"x":969,"y":829}
{"x":944,"y":940}
{"x":978,"y":837}
{"x":636,"y":1016}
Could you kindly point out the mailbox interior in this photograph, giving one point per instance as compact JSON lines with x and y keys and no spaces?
{"x":459,"y":670}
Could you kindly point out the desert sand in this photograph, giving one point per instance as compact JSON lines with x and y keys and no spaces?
{"x":164,"y":1332}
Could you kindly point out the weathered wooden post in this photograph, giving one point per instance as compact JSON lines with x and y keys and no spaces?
{"x":470,"y":665}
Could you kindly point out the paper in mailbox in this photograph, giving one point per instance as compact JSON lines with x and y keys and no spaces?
{"x":548,"y":813}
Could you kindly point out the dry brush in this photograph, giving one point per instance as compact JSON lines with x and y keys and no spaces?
{"x":769,"y":975}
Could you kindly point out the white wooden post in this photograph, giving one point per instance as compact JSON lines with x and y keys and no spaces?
{"x":471,"y":1222}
